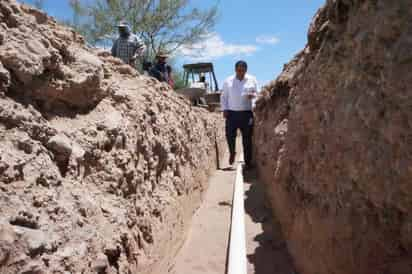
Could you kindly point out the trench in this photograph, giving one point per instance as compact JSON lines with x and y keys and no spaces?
{"x":206,"y":248}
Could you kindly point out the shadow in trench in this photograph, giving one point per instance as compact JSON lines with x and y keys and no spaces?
{"x":271,"y":255}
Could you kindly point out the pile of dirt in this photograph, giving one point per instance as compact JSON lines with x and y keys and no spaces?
{"x":101,"y":169}
{"x":334,"y":141}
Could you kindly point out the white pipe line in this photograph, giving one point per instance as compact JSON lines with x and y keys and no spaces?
{"x":237,"y":246}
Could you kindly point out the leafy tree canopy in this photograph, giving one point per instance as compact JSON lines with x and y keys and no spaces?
{"x":164,"y":25}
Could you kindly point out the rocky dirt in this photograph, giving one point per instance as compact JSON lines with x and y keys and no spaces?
{"x":101,"y":169}
{"x":334,"y":141}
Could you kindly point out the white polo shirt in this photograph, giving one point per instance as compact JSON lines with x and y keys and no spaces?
{"x":232,"y":99}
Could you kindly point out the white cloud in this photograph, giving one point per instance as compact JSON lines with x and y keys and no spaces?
{"x":267,"y":39}
{"x":213,"y":47}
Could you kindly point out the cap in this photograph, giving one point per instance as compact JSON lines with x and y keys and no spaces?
{"x":123,"y":24}
{"x":162,"y":54}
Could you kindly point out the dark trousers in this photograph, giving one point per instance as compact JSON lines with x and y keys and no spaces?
{"x":242,"y":120}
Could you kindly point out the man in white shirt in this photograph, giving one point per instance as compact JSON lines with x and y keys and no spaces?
{"x":238,"y":93}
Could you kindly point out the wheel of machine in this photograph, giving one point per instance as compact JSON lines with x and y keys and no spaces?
{"x":214,"y":107}
{"x":192,"y":93}
{"x":212,"y":98}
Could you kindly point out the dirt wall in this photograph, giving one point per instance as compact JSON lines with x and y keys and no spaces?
{"x":333,"y":141}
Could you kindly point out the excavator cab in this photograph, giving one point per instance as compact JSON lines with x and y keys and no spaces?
{"x":201,"y":85}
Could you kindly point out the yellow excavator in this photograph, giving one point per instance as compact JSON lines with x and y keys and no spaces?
{"x":201,"y":84}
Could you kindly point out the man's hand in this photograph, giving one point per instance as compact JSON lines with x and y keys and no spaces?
{"x":251,"y":96}
{"x":249,"y":93}
{"x":225,"y":114}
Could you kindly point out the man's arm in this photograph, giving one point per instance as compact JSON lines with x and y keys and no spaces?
{"x":140,"y":47}
{"x":154,"y":72}
{"x":224,"y":100}
{"x":254,"y":85}
{"x":114,"y":49}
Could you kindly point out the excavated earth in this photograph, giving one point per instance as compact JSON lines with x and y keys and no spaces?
{"x":101,"y":169}
{"x":334,"y":141}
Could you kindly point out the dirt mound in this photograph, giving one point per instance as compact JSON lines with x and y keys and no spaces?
{"x":333,"y":141}
{"x":100,"y":168}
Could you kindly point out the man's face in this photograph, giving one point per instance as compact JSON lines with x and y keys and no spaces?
{"x":240,"y":72}
{"x":162,"y":60}
{"x":123,"y":31}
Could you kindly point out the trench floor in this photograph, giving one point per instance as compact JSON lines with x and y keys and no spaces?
{"x":266,"y":249}
{"x":205,"y":250}
{"x":206,"y":245}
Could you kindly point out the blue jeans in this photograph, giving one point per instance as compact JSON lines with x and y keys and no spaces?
{"x":242,"y":120}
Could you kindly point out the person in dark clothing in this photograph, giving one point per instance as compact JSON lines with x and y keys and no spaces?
{"x":159,"y":69}
{"x":238,"y":93}
{"x":146,"y":66}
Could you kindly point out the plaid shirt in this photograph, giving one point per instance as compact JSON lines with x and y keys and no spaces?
{"x":126,"y":48}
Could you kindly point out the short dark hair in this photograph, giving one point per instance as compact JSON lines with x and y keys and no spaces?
{"x":241,"y":63}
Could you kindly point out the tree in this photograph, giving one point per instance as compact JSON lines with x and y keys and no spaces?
{"x":178,"y":79}
{"x":165,"y":25}
{"x":77,"y":21}
{"x":78,"y":11}
{"x":39,"y":4}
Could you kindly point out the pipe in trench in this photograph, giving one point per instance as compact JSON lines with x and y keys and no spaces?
{"x":237,"y":246}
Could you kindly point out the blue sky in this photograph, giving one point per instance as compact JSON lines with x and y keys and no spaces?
{"x":265,"y":33}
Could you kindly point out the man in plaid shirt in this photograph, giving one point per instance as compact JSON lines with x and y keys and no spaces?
{"x":128,"y":46}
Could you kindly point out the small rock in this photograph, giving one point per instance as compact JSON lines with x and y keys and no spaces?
{"x":42,"y":180}
{"x":41,"y":17}
{"x":33,"y":268}
{"x":36,"y":242}
{"x":83,"y":212}
{"x":77,"y":151}
{"x":101,"y":263}
{"x":80,"y":223}
{"x":60,"y":144}
{"x":38,"y":201}
{"x":25,"y":219}
{"x":225,"y":203}
{"x":4,"y":78}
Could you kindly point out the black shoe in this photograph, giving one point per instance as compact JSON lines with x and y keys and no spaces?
{"x":232,"y":158}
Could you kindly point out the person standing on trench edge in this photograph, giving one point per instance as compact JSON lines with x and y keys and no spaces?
{"x":237,"y":97}
{"x":128,"y":47}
